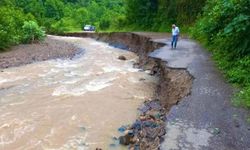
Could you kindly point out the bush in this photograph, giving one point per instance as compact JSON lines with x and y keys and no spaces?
{"x":224,"y":28}
{"x":243,"y":97}
{"x":11,"y":21}
{"x":66,"y":24}
{"x":104,"y":24}
{"x":32,"y":32}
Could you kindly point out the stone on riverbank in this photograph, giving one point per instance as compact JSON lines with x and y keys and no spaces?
{"x":147,"y":132}
{"x":122,"y":57}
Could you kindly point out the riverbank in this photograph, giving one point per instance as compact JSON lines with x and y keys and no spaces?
{"x":201,"y":115}
{"x":50,"y":48}
{"x":72,"y":104}
{"x":191,"y":89}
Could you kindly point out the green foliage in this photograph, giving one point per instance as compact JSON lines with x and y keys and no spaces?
{"x":11,"y":21}
{"x":224,"y":27}
{"x":64,"y":25}
{"x":141,"y":13}
{"x":59,"y":16}
{"x":243,"y":97}
{"x":32,"y":32}
{"x":104,"y":24}
{"x":158,"y":15}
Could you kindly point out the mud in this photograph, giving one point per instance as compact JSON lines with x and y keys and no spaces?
{"x":174,"y":83}
{"x":173,"y":86}
{"x":74,"y":103}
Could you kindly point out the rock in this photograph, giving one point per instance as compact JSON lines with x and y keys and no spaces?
{"x":216,"y":131}
{"x":126,"y":139}
{"x":129,"y":132}
{"x":143,"y":118}
{"x":153,"y":114}
{"x":122,"y":129}
{"x":122,"y":57}
{"x":148,"y":130}
{"x":136,"y":65}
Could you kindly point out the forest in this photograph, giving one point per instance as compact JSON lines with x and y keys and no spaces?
{"x":221,"y":26}
{"x":56,"y":16}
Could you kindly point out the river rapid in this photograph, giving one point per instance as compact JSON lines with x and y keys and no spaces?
{"x":72,"y":104}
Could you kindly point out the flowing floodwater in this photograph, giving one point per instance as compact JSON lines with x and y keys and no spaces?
{"x":73,"y":104}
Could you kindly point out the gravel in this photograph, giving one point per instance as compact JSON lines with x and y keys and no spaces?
{"x":23,"y":54}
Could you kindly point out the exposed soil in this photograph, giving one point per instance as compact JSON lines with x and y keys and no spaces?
{"x":22,"y":54}
{"x":174,"y":84}
{"x":72,"y":104}
{"x":148,"y":130}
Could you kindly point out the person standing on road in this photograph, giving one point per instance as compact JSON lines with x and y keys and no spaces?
{"x":175,"y":36}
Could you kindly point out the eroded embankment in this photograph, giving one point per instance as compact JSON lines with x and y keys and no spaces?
{"x":76,"y":103}
{"x":174,"y":83}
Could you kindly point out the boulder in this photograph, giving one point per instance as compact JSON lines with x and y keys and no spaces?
{"x":122,"y":57}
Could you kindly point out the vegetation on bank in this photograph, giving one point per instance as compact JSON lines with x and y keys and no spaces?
{"x":159,"y":15}
{"x":224,"y":27}
{"x":56,"y":16}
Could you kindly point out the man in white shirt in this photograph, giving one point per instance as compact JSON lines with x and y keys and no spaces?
{"x":175,"y":36}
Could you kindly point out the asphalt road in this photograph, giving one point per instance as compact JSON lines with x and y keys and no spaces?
{"x":206,"y":119}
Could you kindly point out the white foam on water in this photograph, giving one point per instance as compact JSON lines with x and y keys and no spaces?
{"x":133,"y":69}
{"x":78,"y":90}
{"x":71,"y":74}
{"x":99,"y":84}
{"x":95,"y":43}
{"x":139,"y":97}
{"x":88,"y":74}
{"x":59,"y":91}
{"x":63,"y":90}
{"x":111,"y":69}
{"x":48,"y":73}
{"x":74,"y":143}
{"x":20,"y":103}
{"x":54,"y":70}
{"x":4,"y":80}
{"x":66,"y":64}
{"x":93,"y":87}
{"x":17,"y":128}
{"x":70,"y":81}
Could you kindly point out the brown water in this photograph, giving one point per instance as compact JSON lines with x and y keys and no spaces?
{"x":71,"y":104}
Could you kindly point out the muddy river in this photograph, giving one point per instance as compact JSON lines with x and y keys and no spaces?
{"x":72,"y":104}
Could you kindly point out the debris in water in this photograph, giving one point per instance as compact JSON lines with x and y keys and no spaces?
{"x":122,"y":57}
{"x":148,"y":130}
{"x":122,"y":129}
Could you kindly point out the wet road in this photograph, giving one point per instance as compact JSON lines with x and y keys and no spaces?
{"x":205,"y":120}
